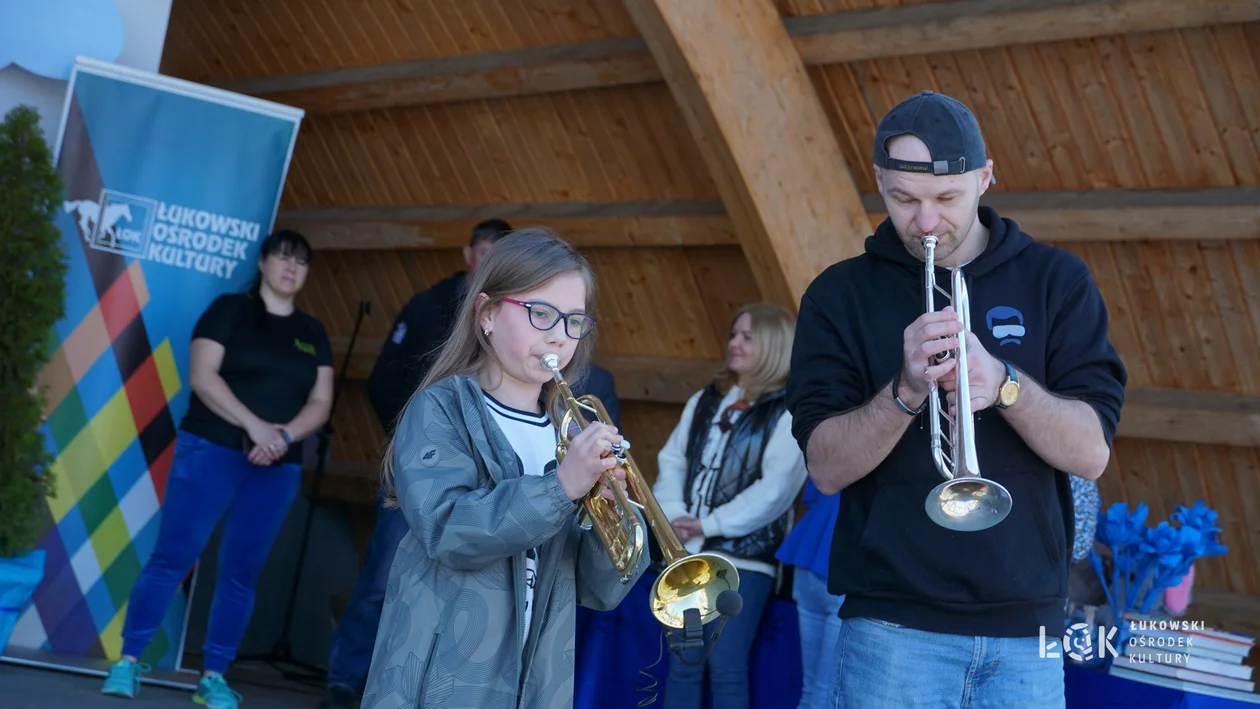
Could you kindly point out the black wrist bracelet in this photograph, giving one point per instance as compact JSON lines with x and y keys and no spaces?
{"x":901,"y":404}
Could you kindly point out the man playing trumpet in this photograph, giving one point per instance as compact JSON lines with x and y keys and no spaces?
{"x":934,"y":615}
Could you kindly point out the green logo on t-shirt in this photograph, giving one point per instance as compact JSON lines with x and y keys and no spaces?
{"x":304,"y":346}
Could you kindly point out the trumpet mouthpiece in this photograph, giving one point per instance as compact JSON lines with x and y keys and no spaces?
{"x":551,"y":361}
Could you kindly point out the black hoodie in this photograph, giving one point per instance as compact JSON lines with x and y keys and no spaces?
{"x":1033,"y":305}
{"x":412,"y":347}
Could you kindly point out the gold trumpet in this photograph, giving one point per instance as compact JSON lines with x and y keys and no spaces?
{"x":966,"y":501}
{"x":689,"y":580}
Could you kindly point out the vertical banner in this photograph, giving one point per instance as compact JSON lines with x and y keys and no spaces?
{"x":170,"y":188}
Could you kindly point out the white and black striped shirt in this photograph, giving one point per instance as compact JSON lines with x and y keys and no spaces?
{"x":534,"y":439}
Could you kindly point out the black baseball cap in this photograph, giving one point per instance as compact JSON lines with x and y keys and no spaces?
{"x":944,"y":124}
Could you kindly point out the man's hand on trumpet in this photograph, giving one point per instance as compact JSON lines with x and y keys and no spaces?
{"x":928,"y":336}
{"x":985,"y":374}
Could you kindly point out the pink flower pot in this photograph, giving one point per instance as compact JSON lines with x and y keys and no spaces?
{"x":1177,"y":598}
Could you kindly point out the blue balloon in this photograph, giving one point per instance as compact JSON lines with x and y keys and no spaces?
{"x":44,"y":36}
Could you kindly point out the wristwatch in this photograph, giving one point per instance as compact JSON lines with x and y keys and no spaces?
{"x":1008,"y":391}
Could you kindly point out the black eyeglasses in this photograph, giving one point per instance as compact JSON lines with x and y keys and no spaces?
{"x":544,"y":316}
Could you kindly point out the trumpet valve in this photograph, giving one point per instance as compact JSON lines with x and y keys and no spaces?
{"x":619,"y":450}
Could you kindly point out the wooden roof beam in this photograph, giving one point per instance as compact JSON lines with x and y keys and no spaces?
{"x":1191,"y":416}
{"x":1224,"y":213}
{"x":763,"y":133}
{"x":947,"y":26}
{"x":1210,"y":417}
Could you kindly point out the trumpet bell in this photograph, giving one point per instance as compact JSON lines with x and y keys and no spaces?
{"x":694,"y":581}
{"x":968,"y":504}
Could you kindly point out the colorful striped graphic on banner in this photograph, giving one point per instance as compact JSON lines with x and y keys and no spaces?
{"x":110,"y":420}
{"x":170,"y":187}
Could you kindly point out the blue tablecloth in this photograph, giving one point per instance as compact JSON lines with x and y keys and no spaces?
{"x":617,"y":665}
{"x":1094,"y":689}
{"x":617,"y":653}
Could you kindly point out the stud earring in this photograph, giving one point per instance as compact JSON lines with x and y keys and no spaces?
{"x":487,"y":331}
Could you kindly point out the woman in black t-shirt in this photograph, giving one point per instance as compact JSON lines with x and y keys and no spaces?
{"x":262,"y":380}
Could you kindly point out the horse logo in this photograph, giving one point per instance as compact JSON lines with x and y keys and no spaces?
{"x":108,"y":229}
{"x":119,"y":222}
{"x":89,"y":214}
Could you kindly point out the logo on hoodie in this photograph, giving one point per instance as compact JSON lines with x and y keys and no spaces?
{"x":1006,"y":324}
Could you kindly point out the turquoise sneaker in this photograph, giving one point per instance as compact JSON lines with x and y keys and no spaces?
{"x":124,"y":679}
{"x":214,"y":692}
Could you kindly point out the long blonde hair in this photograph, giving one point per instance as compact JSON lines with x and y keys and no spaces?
{"x":773,"y":328}
{"x":521,"y":261}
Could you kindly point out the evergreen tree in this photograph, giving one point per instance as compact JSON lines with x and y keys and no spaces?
{"x":32,"y":300}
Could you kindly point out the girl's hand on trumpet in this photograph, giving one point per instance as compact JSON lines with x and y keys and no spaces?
{"x":588,"y":456}
{"x":985,"y":374}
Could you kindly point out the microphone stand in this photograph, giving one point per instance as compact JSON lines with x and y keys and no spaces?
{"x":282,"y":651}
{"x":691,"y":635}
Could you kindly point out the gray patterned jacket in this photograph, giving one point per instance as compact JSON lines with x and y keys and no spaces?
{"x":450,"y":633}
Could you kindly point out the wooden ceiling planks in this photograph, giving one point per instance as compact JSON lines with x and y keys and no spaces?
{"x":1183,"y":314}
{"x":237,"y":39}
{"x":666,"y":302}
{"x":357,"y":435}
{"x":1220,"y":213}
{"x":339,"y":280}
{"x":836,"y":37}
{"x":587,"y":231}
{"x":627,"y":143}
{"x":1080,"y":114}
{"x":800,"y":8}
{"x":653,"y":304}
{"x":534,"y":149}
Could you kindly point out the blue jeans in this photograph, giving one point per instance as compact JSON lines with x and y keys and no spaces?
{"x":206,"y":482}
{"x":728,"y":663}
{"x":818,"y":613}
{"x":880,"y":664}
{"x":351,"y":653}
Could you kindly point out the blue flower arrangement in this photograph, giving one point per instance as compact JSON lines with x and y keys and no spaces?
{"x":1147,"y":560}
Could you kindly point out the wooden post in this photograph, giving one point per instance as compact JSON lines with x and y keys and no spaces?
{"x":749,"y":103}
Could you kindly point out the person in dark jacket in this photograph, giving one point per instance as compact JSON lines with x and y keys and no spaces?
{"x":421,"y":328}
{"x":936,"y":617}
{"x":417,"y":335}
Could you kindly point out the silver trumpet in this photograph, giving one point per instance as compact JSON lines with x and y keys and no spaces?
{"x":965,"y":502}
